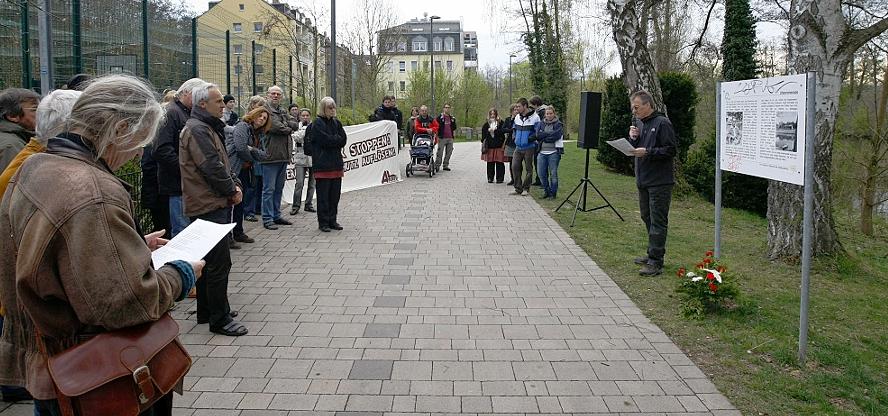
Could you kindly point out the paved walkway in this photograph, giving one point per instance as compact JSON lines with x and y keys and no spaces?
{"x":427,"y":304}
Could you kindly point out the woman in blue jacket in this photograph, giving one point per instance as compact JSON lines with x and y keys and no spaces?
{"x":550,"y":136}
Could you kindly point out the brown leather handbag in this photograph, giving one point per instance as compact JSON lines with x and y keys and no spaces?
{"x":121,"y":372}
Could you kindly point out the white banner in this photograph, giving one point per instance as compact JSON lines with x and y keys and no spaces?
{"x":370,"y":155}
{"x":763,"y":127}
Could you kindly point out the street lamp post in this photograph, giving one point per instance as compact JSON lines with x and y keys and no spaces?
{"x":432,"y":60}
{"x":510,"y":78}
{"x":333,"y":49}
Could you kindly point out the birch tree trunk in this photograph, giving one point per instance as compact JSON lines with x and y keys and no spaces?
{"x":821,"y":40}
{"x":630,"y":36}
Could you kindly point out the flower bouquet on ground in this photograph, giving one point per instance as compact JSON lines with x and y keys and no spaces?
{"x":705,"y":289}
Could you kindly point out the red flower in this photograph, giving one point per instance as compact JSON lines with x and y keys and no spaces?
{"x":713,"y":287}
{"x":681,"y":272}
{"x":710,"y":276}
{"x":700,"y":265}
{"x":721,"y":269}
{"x":709,"y":253}
{"x":707,"y":260}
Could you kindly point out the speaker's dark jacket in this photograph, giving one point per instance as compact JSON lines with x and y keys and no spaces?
{"x":658,"y":137}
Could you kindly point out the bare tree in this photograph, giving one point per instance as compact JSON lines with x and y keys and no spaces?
{"x":366,"y":42}
{"x":822,"y":38}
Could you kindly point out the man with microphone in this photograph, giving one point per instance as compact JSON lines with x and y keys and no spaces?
{"x":655,"y":147}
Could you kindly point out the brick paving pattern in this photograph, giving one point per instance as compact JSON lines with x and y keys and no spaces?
{"x":443,"y":295}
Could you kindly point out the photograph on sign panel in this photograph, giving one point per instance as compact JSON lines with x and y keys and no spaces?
{"x":734,"y":123}
{"x":787,"y":131}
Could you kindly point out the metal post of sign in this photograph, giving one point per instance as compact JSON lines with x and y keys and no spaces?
{"x":808,"y":218}
{"x":718,"y":172}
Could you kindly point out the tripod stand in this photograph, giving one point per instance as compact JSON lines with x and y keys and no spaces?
{"x":585,"y":183}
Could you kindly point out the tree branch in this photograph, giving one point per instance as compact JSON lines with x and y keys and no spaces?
{"x":702,"y":34}
{"x":860,"y":37}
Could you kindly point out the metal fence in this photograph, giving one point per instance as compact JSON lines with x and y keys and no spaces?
{"x":143,"y":216}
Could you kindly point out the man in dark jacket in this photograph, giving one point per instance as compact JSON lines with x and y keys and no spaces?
{"x":277,"y":145}
{"x":229,"y":116}
{"x":210,"y":190}
{"x":388,"y":111}
{"x":655,"y":148}
{"x":166,"y":153}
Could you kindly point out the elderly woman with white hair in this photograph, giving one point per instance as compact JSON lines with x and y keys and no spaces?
{"x":327,"y":138}
{"x":73,"y":262}
{"x":52,"y":113}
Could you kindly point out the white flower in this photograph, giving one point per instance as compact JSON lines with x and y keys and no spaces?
{"x":715,"y":273}
{"x":696,"y":279}
{"x":690,"y":274}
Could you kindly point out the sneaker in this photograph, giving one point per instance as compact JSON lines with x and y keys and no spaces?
{"x":243,"y":238}
{"x":294,"y":211}
{"x":270,"y":226}
{"x":446,"y":168}
{"x":650,"y":270}
{"x":336,"y":226}
{"x":516,"y":192}
{"x":309,"y":208}
{"x":641,"y":260}
{"x":324,"y":229}
{"x":525,"y":193}
{"x":250,"y":218}
{"x":282,"y":221}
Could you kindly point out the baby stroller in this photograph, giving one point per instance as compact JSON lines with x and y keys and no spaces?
{"x":422,"y":155}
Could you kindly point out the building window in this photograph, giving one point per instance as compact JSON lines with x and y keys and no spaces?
{"x":238,"y":49}
{"x":437,"y":44}
{"x":402,"y":66}
{"x":390,"y":46}
{"x":448,"y":44}
{"x":257,"y":27}
{"x":449,"y":66}
{"x":238,"y":28}
{"x":391,"y":86}
{"x":259,"y":48}
{"x":240,"y":7}
{"x":438,"y":65}
{"x":259,"y":69}
{"x":402,"y":46}
{"x":420,"y":46}
{"x":402,"y":86}
{"x":414,"y":65}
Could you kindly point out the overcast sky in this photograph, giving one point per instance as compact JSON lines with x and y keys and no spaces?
{"x":495,"y":40}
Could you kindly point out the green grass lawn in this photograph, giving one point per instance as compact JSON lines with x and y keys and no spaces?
{"x":750,"y":352}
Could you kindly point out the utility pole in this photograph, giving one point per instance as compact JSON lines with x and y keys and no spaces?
{"x":239,"y":69}
{"x":432,"y":63}
{"x":228,"y":63}
{"x":26,"y":46}
{"x":333,"y":49}
{"x":145,"y":64}
{"x":76,"y":37}
{"x":44,"y":28}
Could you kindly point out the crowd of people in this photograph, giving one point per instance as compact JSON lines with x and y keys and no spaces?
{"x":77,"y":263}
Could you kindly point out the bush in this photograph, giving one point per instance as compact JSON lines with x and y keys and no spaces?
{"x":616,"y":116}
{"x":744,"y":192}
{"x":680,"y":97}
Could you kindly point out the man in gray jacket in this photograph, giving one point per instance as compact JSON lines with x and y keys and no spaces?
{"x":277,"y":146}
{"x":18,"y":119}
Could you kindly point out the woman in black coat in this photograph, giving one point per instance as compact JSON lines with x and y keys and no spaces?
{"x":326,"y":138}
{"x":493,"y":146}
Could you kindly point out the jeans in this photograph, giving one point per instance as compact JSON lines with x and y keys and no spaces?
{"x":162,"y":407}
{"x":547,"y":169}
{"x":178,"y":220}
{"x":245,"y":177}
{"x":525,"y":158}
{"x":444,"y":144}
{"x":653,"y":203}
{"x":212,"y":287}
{"x":329,"y":191}
{"x":301,"y":173}
{"x":273,"y":175}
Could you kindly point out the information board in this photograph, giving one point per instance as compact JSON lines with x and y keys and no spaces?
{"x":763,"y":127}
